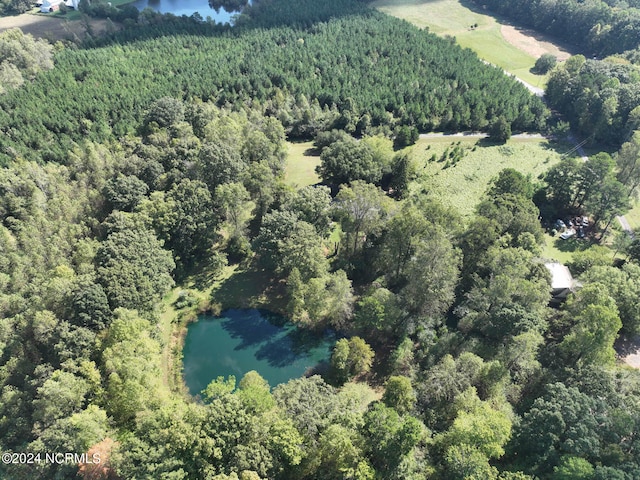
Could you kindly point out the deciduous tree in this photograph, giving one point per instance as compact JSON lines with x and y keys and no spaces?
{"x":596,"y":324}
{"x":361,"y":209}
{"x":285,"y":242}
{"x":347,"y":160}
{"x":134,"y":269}
{"x":399,"y":394}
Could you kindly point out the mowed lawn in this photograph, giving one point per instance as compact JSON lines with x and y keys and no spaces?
{"x":302,"y":161}
{"x":463,"y":184}
{"x":559,"y":250}
{"x":452,"y":18}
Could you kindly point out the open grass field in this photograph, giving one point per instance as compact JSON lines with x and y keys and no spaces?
{"x":463,"y":184}
{"x":513,"y":49}
{"x":302,"y":161}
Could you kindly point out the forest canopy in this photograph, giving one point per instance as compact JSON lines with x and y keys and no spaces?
{"x":601,"y":99}
{"x":396,"y":75}
{"x":148,"y":169}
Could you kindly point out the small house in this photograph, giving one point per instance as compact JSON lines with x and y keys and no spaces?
{"x":562,"y":282}
{"x":49,"y":6}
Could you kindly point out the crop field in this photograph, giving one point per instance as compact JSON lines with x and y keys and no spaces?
{"x":514,"y":50}
{"x":301,"y":164}
{"x":461,"y":180}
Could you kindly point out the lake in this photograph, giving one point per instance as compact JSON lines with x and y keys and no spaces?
{"x":243,"y":340}
{"x":185,"y":7}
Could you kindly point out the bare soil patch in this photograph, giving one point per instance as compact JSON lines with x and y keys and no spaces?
{"x":532,"y":42}
{"x":629,"y":351}
{"x":633,"y":360}
{"x":52,"y":28}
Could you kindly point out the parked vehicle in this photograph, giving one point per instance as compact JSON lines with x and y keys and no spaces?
{"x":568,"y":234}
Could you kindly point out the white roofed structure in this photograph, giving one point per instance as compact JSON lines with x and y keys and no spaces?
{"x":562,"y":282}
{"x":50,"y":5}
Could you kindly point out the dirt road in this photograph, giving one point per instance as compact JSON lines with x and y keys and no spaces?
{"x":538,"y":92}
{"x":476,"y":135}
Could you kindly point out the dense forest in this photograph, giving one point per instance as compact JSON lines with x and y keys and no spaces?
{"x":356,"y":72}
{"x":21,"y":58}
{"x":601,"y":99}
{"x":157,"y":155}
{"x":13,"y":7}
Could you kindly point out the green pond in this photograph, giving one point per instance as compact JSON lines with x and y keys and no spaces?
{"x":239,"y":341}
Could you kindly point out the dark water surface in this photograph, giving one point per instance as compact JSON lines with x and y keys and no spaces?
{"x":185,"y":7}
{"x":242,"y":340}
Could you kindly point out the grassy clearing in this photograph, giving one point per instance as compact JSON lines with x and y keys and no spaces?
{"x":562,"y":251}
{"x":247,"y":288}
{"x":442,"y":17}
{"x":463,"y":184}
{"x":451,"y":17}
{"x":301,"y":163}
{"x":491,"y":46}
{"x":633,"y":216}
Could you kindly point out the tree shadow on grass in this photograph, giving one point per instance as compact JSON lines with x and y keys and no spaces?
{"x":488,"y":142}
{"x":627,"y":345}
{"x":249,"y":288}
{"x":571,"y":244}
{"x":200,"y":273}
{"x":312,"y":152}
{"x":555,"y":146}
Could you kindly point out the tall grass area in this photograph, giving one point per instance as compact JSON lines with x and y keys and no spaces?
{"x":452,"y":18}
{"x":461,"y":181}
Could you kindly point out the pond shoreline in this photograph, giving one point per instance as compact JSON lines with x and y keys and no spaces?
{"x":233,"y":287}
